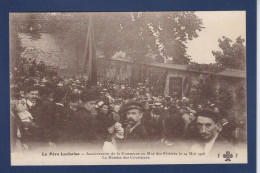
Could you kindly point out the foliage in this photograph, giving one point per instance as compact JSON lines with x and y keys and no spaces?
{"x":157,"y":78}
{"x":26,"y":23}
{"x":212,"y":68}
{"x":203,"y":90}
{"x":232,"y":55}
{"x":32,"y":25}
{"x":142,"y":35}
{"x":16,"y":48}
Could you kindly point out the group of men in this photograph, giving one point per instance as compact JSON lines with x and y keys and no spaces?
{"x":53,"y":111}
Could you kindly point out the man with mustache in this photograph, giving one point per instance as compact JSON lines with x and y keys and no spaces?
{"x":135,"y":131}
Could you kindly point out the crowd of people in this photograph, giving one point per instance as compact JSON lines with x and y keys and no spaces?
{"x":48,"y":109}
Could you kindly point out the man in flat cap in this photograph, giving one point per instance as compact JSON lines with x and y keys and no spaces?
{"x":135,"y":131}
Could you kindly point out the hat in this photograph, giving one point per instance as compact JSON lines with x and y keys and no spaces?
{"x":101,"y":104}
{"x":118,"y":101}
{"x":60,"y":84}
{"x":174,"y":94}
{"x":137,"y":99}
{"x":223,"y":122}
{"x":157,"y":105}
{"x":168,"y":98}
{"x":185,"y":99}
{"x":44,"y":80}
{"x":133,"y":105}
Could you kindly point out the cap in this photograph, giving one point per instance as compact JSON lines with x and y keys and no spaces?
{"x":157,"y":105}
{"x":100,"y":104}
{"x":133,"y":105}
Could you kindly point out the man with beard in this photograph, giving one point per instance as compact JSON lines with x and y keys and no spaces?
{"x":209,"y":139}
{"x":135,"y":131}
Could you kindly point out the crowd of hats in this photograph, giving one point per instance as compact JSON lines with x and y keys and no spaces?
{"x":30,"y":74}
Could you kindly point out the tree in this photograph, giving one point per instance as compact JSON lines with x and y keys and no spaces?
{"x":232,"y":55}
{"x":162,"y":34}
{"x":16,"y":48}
{"x":26,"y":23}
{"x":31,"y":25}
{"x":143,"y":36}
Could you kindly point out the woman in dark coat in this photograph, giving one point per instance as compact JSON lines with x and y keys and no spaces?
{"x":104,"y":117}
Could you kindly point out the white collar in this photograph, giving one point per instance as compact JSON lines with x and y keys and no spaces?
{"x":29,"y":103}
{"x":131,"y":129}
{"x":209,"y":144}
{"x":73,"y":108}
{"x":60,"y":104}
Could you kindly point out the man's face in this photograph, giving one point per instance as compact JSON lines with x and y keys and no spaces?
{"x":156,"y":116}
{"x":90,"y":105}
{"x":216,"y":109}
{"x":50,"y":96}
{"x":111,"y":129}
{"x":208,"y":129}
{"x":33,"y":96}
{"x":22,"y":94}
{"x":104,"y":109}
{"x":117,"y":108}
{"x":192,"y":117}
{"x":74,"y":104}
{"x":146,"y":105}
{"x":134,"y":116}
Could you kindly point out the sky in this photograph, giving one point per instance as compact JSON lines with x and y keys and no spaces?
{"x":231,"y":24}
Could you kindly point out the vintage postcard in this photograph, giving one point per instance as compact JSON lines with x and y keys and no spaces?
{"x":128,"y":88}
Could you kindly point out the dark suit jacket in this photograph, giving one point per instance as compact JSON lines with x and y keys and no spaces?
{"x":78,"y":127}
{"x":137,"y":138}
{"x":35,"y":133}
{"x":156,"y":129}
{"x":56,"y":122}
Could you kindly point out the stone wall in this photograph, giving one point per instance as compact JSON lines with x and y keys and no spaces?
{"x":113,"y":70}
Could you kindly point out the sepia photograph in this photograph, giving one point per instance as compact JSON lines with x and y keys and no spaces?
{"x":128,"y":88}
